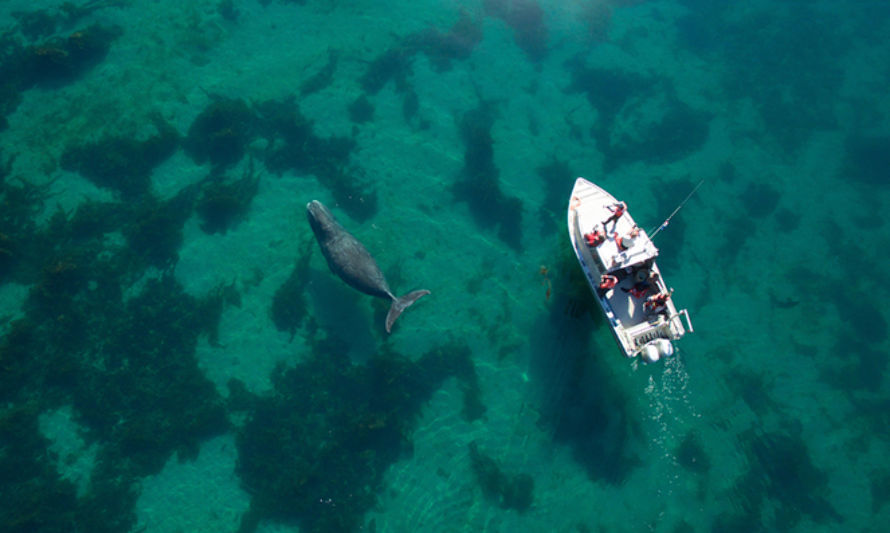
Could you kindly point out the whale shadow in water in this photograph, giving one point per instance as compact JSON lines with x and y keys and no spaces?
{"x":338,"y":310}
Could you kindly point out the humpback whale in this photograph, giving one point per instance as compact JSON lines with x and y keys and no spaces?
{"x":349,"y":259}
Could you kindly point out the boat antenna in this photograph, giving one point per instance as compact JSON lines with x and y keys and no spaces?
{"x":667,"y":221}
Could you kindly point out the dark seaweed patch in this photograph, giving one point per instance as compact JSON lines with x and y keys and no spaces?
{"x":607,"y":90}
{"x":289,"y":303}
{"x":867,"y":160}
{"x":220,"y":133}
{"x":679,"y":132}
{"x":35,"y":24}
{"x":323,"y":77}
{"x":222,"y":203}
{"x":879,"y":483}
{"x":304,"y":152}
{"x":361,"y":110}
{"x":444,"y":47}
{"x":781,"y":468}
{"x":393,"y":65}
{"x":479,"y":186}
{"x":154,"y":231}
{"x":59,"y":61}
{"x":691,"y":454}
{"x":20,"y":202}
{"x":506,"y":490}
{"x":35,"y":499}
{"x":315,"y":452}
{"x":784,"y":58}
{"x":760,"y":199}
{"x":527,"y":20}
{"x":787,"y":220}
{"x":859,"y":367}
{"x":144,"y":392}
{"x":123,"y":164}
{"x":754,"y":389}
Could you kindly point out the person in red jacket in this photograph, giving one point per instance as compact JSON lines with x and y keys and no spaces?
{"x":657,"y":301}
{"x":596,"y":237}
{"x":607,"y":282}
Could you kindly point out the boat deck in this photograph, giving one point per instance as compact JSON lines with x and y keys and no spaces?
{"x":632,"y":325}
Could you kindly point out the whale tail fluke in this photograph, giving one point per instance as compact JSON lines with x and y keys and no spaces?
{"x":400,"y":304}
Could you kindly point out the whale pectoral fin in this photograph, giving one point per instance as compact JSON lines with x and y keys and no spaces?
{"x":400,"y":304}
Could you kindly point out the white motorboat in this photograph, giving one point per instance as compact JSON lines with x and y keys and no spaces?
{"x":618,"y":259}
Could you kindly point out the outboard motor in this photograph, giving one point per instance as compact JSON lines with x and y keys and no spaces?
{"x":655,"y":350}
{"x":649,"y":353}
{"x":665,"y":348}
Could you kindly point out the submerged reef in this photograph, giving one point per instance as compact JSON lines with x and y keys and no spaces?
{"x":626,"y":130}
{"x":34,"y":497}
{"x":392,"y":65}
{"x":164,"y":403}
{"x":289,"y":303}
{"x":118,"y":351}
{"x":51,"y":63}
{"x":507,"y":491}
{"x":444,"y":47}
{"x":20,"y":203}
{"x":323,"y":77}
{"x":441,"y":48}
{"x":315,"y":451}
{"x":527,"y":20}
{"x":691,"y":454}
{"x":361,"y":110}
{"x":121,"y":163}
{"x":154,"y":228}
{"x":222,"y":202}
{"x":221,"y":132}
{"x":63,"y":60}
{"x":294,"y":146}
{"x":478,"y":186}
{"x":782,"y":471}
{"x":790,"y":73}
{"x":867,"y":159}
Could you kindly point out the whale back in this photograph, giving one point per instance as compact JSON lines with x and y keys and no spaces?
{"x":346,"y":256}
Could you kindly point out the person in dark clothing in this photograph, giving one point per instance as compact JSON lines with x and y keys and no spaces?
{"x":617,"y":210}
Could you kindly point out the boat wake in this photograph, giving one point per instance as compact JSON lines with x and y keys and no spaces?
{"x":671,"y":414}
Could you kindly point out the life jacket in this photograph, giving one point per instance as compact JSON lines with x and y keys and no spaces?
{"x":594,"y":238}
{"x":656,"y":300}
{"x":639,"y":292}
{"x":608,"y":282}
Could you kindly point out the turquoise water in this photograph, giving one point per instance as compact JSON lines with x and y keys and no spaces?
{"x":176,"y":355}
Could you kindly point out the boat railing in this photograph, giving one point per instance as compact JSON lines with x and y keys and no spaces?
{"x":685,"y":314}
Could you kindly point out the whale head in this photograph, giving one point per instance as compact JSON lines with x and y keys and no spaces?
{"x":321,"y":220}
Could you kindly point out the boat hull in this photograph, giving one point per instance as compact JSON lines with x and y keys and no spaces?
{"x":638,"y":327}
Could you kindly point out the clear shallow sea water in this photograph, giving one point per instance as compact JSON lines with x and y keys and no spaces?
{"x":176,"y":355}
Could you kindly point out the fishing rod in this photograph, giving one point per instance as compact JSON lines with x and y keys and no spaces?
{"x":667,"y":221}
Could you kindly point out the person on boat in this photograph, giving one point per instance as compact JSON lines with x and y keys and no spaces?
{"x":628,"y":241}
{"x":617,"y":210}
{"x":642,"y":286}
{"x":657,"y":301}
{"x":608,"y":281}
{"x":596,"y":237}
